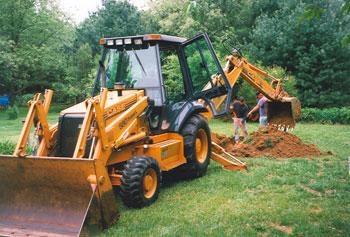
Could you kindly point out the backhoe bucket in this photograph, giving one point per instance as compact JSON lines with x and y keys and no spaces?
{"x":44,"y":196}
{"x":284,"y":114}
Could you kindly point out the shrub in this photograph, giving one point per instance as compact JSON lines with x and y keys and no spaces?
{"x":12,"y":112}
{"x":326,"y":116}
{"x":23,"y":99}
{"x":7,"y":147}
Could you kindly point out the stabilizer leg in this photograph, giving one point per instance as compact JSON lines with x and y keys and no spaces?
{"x":224,"y":158}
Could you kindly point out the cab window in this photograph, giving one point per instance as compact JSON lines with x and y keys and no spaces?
{"x":172,"y":76}
{"x":201,"y":64}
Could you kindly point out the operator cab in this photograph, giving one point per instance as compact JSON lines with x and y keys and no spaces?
{"x":178,"y":75}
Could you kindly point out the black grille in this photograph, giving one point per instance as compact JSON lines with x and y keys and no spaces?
{"x":68,"y":131}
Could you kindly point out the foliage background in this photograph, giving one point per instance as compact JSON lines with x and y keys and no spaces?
{"x":307,"y":42}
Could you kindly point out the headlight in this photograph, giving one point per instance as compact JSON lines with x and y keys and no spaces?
{"x":138,"y":41}
{"x":110,"y":42}
{"x":119,"y":42}
{"x":127,"y":41}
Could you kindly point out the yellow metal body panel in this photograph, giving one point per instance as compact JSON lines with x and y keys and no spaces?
{"x":121,"y":155}
{"x":113,"y":102}
{"x":167,"y":150}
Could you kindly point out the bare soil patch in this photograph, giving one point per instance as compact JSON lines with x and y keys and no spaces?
{"x":268,"y":142}
{"x":312,"y":191}
{"x":285,"y":229}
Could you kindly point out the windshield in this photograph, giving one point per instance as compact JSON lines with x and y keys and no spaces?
{"x":137,"y":69}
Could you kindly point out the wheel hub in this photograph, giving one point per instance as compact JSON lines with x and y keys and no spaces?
{"x":201,"y":146}
{"x":150,"y":183}
{"x":198,"y":145}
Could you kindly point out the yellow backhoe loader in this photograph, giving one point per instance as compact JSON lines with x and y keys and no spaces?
{"x":148,"y":115}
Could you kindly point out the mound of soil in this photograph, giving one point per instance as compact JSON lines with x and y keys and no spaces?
{"x":267,"y":142}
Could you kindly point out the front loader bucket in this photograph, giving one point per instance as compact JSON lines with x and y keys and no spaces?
{"x":285,"y":113}
{"x":44,"y":196}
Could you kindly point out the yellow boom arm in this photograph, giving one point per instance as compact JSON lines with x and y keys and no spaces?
{"x":283,"y":110}
{"x":254,"y":76}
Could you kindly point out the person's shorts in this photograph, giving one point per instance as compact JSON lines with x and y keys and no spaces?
{"x":263,"y":121}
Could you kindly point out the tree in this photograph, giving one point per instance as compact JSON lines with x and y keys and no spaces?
{"x":311,"y":49}
{"x":77,"y":84}
{"x":116,"y":18}
{"x":34,"y":36}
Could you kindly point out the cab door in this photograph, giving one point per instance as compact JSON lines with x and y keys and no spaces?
{"x":205,"y":76}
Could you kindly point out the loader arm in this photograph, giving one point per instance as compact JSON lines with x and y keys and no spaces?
{"x":51,"y":195}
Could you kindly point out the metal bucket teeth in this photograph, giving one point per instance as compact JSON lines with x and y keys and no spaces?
{"x":282,"y":127}
{"x":284,"y":114}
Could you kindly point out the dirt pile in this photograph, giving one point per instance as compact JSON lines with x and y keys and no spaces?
{"x":267,"y":142}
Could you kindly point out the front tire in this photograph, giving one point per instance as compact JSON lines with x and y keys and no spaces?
{"x":140,"y":182}
{"x":197,"y":142}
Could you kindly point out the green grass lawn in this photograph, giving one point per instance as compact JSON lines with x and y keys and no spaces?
{"x":276,"y":197}
{"x":10,"y":129}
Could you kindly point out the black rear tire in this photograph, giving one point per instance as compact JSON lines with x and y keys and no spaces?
{"x":196,"y":127}
{"x":140,"y":182}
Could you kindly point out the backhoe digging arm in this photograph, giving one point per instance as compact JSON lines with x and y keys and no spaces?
{"x":254,"y":76}
{"x":283,"y":110}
